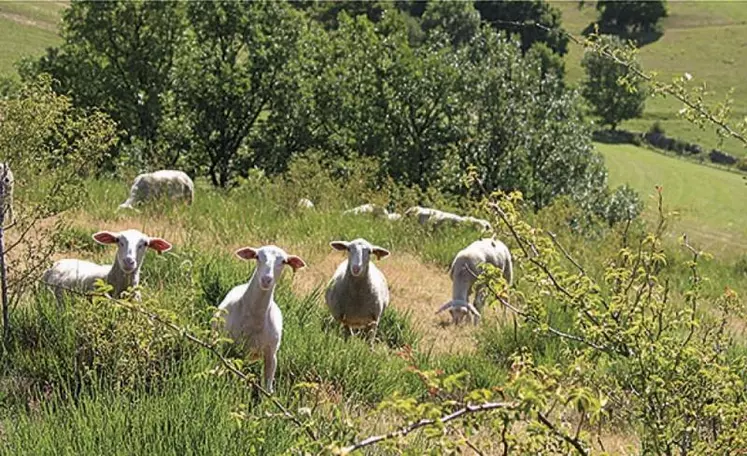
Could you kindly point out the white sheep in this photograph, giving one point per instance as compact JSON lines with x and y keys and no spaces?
{"x":393,"y":216}
{"x":305,"y":203}
{"x":358,"y":292}
{"x":464,"y":271}
{"x":481,"y":223}
{"x":80,"y":276}
{"x":251,"y":317}
{"x":369,"y":208}
{"x":174,"y":184}
{"x":427,"y":215}
{"x":6,"y":198}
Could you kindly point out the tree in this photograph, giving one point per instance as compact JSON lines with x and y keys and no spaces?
{"x":118,"y":56}
{"x":459,"y":20}
{"x":630,"y":16}
{"x":499,"y":13}
{"x":228,"y":74}
{"x":613,"y":90}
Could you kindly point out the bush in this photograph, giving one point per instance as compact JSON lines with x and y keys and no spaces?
{"x":742,"y":164}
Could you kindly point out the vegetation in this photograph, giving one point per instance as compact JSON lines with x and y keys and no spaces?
{"x":631,"y":15}
{"x":614,"y":91}
{"x":618,"y":335}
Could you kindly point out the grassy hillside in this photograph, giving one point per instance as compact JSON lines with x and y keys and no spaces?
{"x":705,"y":39}
{"x":711,"y":203}
{"x":27,"y":28}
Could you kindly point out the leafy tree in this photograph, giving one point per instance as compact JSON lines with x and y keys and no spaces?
{"x":459,"y":20}
{"x":631,"y":15}
{"x":118,"y":56}
{"x":499,"y":12}
{"x":228,"y":74}
{"x":612,"y":89}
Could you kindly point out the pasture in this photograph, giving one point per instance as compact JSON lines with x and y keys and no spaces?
{"x":27,"y":29}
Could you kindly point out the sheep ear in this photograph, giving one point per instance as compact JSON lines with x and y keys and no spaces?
{"x":159,"y":245}
{"x":106,"y":237}
{"x":339,"y":245}
{"x":247,"y":253}
{"x":379,"y":252}
{"x":295,"y":262}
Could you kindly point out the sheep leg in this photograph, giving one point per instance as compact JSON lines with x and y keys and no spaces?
{"x":372,"y":333}
{"x":271,"y":362}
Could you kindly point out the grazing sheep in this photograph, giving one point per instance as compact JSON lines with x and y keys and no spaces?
{"x":358,"y":292}
{"x":463,"y":272}
{"x":436,"y":217}
{"x":481,"y":223}
{"x":175,"y":184}
{"x":305,"y":203}
{"x":6,"y":199}
{"x":393,"y":216}
{"x":81,"y":276}
{"x":252,"y":318}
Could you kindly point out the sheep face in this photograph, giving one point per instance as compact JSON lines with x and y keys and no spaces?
{"x":359,"y":254}
{"x":270,"y":263}
{"x":131,"y":246}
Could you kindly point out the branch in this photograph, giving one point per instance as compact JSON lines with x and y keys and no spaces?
{"x":571,"y":440}
{"x":554,"y":238}
{"x":469,"y":409}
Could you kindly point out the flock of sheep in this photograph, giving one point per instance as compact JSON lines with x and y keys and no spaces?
{"x":356,"y":295}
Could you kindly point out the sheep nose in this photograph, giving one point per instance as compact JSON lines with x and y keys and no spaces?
{"x":356,"y":269}
{"x":266,"y":281}
{"x":130,"y":263}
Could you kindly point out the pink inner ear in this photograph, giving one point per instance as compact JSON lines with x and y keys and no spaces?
{"x":247,"y":253}
{"x":159,"y":245}
{"x":295,"y":262}
{"x":105,"y":237}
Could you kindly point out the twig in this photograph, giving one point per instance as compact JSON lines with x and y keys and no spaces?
{"x":572,"y":441}
{"x":473,"y":447}
{"x":469,"y":409}
{"x":554,"y":238}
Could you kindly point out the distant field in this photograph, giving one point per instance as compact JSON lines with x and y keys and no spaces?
{"x":27,"y":28}
{"x":705,"y":39}
{"x":712,"y":204}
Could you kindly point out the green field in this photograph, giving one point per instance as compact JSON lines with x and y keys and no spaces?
{"x":26,"y":29}
{"x":711,"y":203}
{"x":705,"y":39}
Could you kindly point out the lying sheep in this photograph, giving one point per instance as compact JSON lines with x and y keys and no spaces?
{"x":81,"y":276}
{"x":437,"y":217}
{"x":358,"y":292}
{"x":174,"y":184}
{"x":464,"y":271}
{"x":252,"y":318}
{"x":369,"y":208}
{"x":305,"y":203}
{"x":6,"y":198}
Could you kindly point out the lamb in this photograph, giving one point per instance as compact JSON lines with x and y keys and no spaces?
{"x":6,"y":198}
{"x":176,"y":184}
{"x":305,"y":203}
{"x":436,"y":217}
{"x":358,"y":292}
{"x":464,"y":271}
{"x":78,"y":275}
{"x":252,"y":318}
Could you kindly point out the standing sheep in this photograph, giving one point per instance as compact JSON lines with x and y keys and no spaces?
{"x":174,"y":184}
{"x":6,"y":198}
{"x":252,"y":318}
{"x":81,"y":276}
{"x":358,"y":292}
{"x":464,"y":271}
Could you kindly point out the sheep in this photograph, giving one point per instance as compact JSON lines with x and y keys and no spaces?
{"x":369,"y":208}
{"x":464,"y":270}
{"x":426,"y":215}
{"x":393,"y":216}
{"x":305,"y":203}
{"x":252,"y":318}
{"x":481,"y":223}
{"x":80,"y":276}
{"x":175,"y":184}
{"x":358,"y":292}
{"x":6,"y":198}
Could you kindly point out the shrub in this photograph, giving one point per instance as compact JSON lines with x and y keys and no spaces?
{"x":742,"y":164}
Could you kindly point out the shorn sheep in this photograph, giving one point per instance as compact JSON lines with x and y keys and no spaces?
{"x":464,"y":271}
{"x":80,"y":276}
{"x":358,"y":292}
{"x":375,"y":210}
{"x":174,"y":184}
{"x":305,"y":203}
{"x":437,"y":217}
{"x":6,"y":198}
{"x":251,"y":317}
